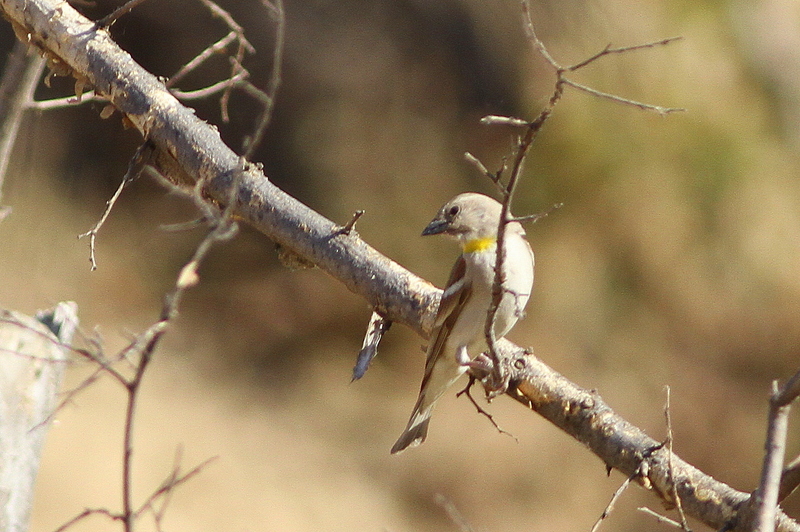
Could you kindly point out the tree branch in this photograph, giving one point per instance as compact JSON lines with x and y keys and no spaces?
{"x":187,"y":146}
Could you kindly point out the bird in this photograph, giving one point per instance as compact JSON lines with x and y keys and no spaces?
{"x":457,"y":337}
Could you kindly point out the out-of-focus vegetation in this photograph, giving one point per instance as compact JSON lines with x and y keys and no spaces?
{"x":674,"y":260}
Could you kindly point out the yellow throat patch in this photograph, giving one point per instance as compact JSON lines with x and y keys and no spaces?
{"x":478,"y":244}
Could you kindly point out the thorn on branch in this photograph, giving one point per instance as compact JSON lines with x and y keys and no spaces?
{"x":351,"y":225}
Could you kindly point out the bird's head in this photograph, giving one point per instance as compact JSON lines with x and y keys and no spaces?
{"x":470,"y":218}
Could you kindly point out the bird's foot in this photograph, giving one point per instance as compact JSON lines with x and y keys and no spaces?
{"x":494,"y":380}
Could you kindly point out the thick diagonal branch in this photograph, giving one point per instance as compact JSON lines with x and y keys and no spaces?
{"x":190,"y":149}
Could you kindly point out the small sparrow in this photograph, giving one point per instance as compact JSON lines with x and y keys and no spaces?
{"x":458,"y":334}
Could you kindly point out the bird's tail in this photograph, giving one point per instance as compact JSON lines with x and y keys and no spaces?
{"x":416,"y":431}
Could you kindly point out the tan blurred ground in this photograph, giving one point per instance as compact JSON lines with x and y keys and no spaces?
{"x":673,"y":262}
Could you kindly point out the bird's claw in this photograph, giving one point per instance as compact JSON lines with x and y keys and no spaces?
{"x":494,"y":382}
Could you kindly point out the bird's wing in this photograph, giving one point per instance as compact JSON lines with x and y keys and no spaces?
{"x":455,"y":296}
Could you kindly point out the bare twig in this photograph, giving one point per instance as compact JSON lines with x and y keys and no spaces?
{"x":68,"y":101}
{"x":481,"y":410}
{"x":493,"y":177}
{"x":223,"y":229}
{"x":211,"y":90}
{"x":674,"y":488}
{"x":86,"y":513}
{"x":201,"y":58}
{"x":229,"y":21}
{"x":167,"y":487}
{"x":608,"y":51}
{"x":112,"y":17}
{"x":267,"y":97}
{"x":533,"y":218}
{"x":20,"y":79}
{"x":659,"y":517}
{"x":238,"y":73}
{"x":790,"y":391}
{"x":498,"y":381}
{"x":137,"y":162}
{"x":495,"y":120}
{"x":764,"y":500}
{"x":790,"y":479}
{"x":614,"y":498}
{"x":625,"y":101}
{"x":238,"y":57}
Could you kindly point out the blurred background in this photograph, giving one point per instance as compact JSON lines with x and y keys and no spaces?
{"x":674,"y":261}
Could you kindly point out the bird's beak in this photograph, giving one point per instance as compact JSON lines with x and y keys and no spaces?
{"x":437,"y":226}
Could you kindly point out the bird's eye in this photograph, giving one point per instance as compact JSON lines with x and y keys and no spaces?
{"x":453,"y":210}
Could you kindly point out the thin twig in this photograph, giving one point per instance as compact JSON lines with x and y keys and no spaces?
{"x":67,"y":101}
{"x":673,"y":485}
{"x":496,"y":120}
{"x":20,"y":79}
{"x":790,"y":391}
{"x":608,"y":51}
{"x":211,"y":90}
{"x":764,"y":501}
{"x":135,"y":166}
{"x":790,"y":479}
{"x":493,"y":177}
{"x":229,"y":21}
{"x":614,"y":498}
{"x":531,"y":32}
{"x":223,"y":230}
{"x":625,"y":101}
{"x":237,"y":58}
{"x":533,"y":218}
{"x":659,"y":517}
{"x":112,"y":17}
{"x":524,"y":143}
{"x":267,"y":97}
{"x":86,"y":513}
{"x":482,"y":411}
{"x":201,"y":58}
{"x":174,"y":480}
